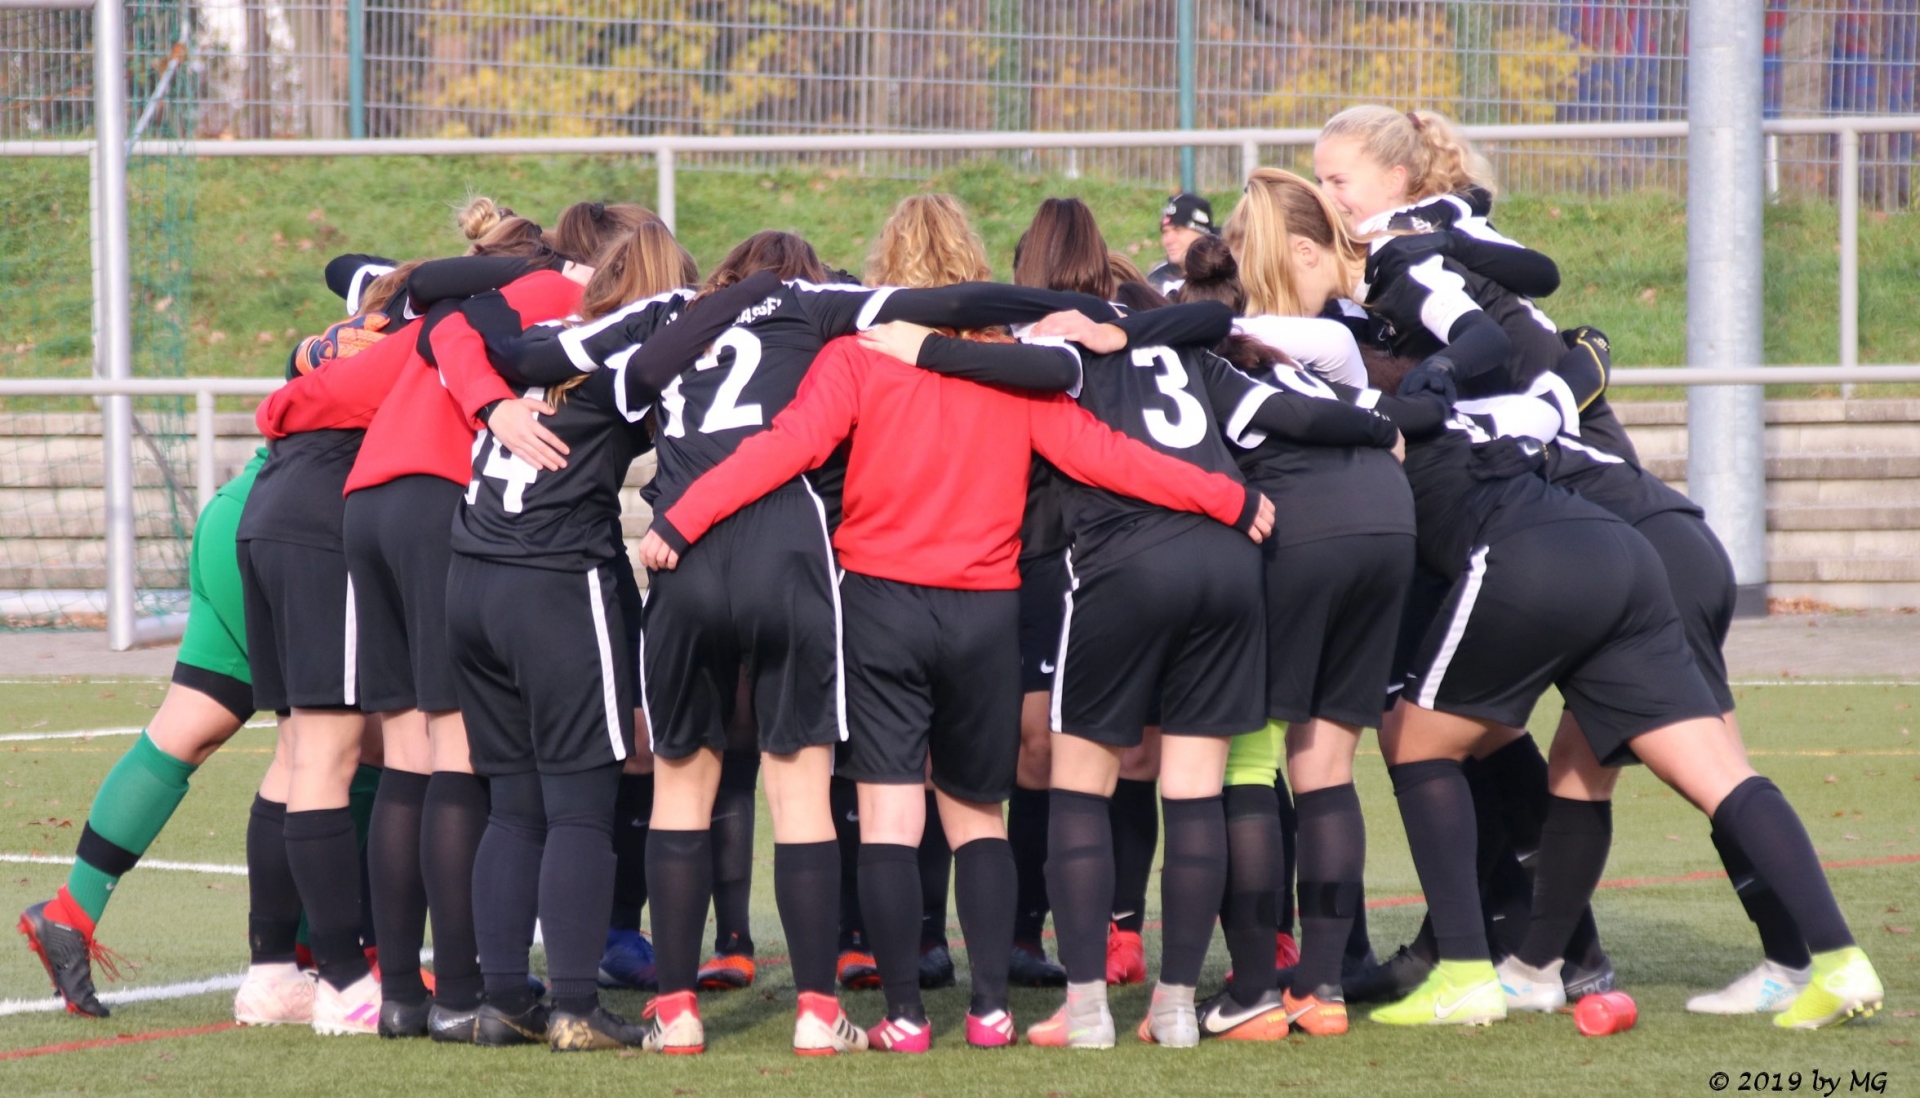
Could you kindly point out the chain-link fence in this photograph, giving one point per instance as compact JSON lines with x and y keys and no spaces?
{"x":413,"y":68}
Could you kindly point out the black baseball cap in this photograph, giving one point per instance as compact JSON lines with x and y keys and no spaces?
{"x":1189,"y":211}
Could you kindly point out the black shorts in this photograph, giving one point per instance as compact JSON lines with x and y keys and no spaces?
{"x":1043,"y":602}
{"x":1181,"y":621}
{"x":536,"y":656}
{"x":757,"y":593}
{"x":1333,"y":619}
{"x":1425,"y":595}
{"x":300,"y":607}
{"x":1581,"y":605}
{"x":1701,"y":577}
{"x":399,"y":539}
{"x":930,"y":669}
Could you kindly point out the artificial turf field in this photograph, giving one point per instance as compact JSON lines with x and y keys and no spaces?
{"x":1844,"y":754}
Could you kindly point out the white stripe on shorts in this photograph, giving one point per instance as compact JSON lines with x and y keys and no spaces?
{"x":609,"y":698}
{"x":1456,"y":628}
{"x":1060,"y":661}
{"x":646,"y":710}
{"x":350,"y":677}
{"x":833,"y":585}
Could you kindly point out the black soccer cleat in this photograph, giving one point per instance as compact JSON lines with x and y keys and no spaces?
{"x":450,"y":1026}
{"x":496,"y":1028}
{"x":67,"y":954}
{"x":594,"y":1032}
{"x":1032,"y":968}
{"x":1589,"y":980}
{"x":399,"y":1019}
{"x":1387,"y":982}
{"x":936,"y":966}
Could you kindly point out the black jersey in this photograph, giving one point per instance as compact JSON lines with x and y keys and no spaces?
{"x":1415,"y":305}
{"x":299,"y":496}
{"x":1321,"y":491}
{"x":566,"y":519}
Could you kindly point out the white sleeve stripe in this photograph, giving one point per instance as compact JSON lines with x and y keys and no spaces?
{"x":1242,"y":418}
{"x":574,"y":342}
{"x":1367,"y":398}
{"x":1447,"y":299}
{"x":358,"y":286}
{"x":872,"y":308}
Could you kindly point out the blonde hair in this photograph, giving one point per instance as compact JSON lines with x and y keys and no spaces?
{"x":1427,"y":144}
{"x":493,"y":229}
{"x":927,"y":242}
{"x":1275,"y":206}
{"x":645,"y":262}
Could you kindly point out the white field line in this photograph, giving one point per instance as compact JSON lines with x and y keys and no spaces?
{"x":90,"y":733}
{"x":1824,"y":682}
{"x":145,"y":863}
{"x":53,"y":1003}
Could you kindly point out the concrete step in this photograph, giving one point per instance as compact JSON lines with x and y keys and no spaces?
{"x":1844,"y":517}
{"x":1857,"y":596}
{"x":1635,"y":413}
{"x":1889,"y":569}
{"x":1842,"y":544}
{"x":1867,"y":466}
{"x":1841,"y":491}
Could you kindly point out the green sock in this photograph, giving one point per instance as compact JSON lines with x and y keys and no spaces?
{"x":134,"y":803}
{"x":366,"y":782}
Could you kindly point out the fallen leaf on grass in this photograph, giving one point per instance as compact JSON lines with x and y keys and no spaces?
{"x":1890,"y":929}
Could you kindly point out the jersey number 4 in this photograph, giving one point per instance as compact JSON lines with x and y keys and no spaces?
{"x":503,"y":465}
{"x":1188,"y":423}
{"x":726,"y":412}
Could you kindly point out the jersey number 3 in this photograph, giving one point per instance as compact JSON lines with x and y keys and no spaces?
{"x":726,"y":413}
{"x":1188,"y":423}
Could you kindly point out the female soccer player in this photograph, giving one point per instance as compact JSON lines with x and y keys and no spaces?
{"x":1549,"y":588}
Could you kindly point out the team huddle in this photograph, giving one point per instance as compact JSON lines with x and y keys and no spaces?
{"x":1008,"y":585}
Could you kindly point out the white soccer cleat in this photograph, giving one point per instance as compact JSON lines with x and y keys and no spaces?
{"x":1530,"y":988}
{"x":274,"y":995}
{"x":1769,"y":989}
{"x":353,"y":1010}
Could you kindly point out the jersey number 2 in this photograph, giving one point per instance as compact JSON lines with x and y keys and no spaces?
{"x":1188,"y":423}
{"x":726,"y":412}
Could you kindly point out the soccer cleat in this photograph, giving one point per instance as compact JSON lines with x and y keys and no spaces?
{"x":821,"y":1028}
{"x":727,"y":972}
{"x":1221,"y":1018}
{"x":1456,"y":993}
{"x":1582,"y":982}
{"x":1126,"y":956}
{"x":595,"y":1032}
{"x":936,"y":966}
{"x":497,"y":1028}
{"x":1321,"y":1014}
{"x":1063,"y":1030}
{"x":454,"y":1027}
{"x":1530,"y":988}
{"x":991,"y":1030}
{"x":1389,"y":981}
{"x":1769,"y":989}
{"x":673,"y":1025}
{"x":1172,"y":1020}
{"x":1286,"y":951}
{"x":628,"y":961}
{"x":67,"y":953}
{"x":347,"y":1011}
{"x":1032,"y":968}
{"x":404,"y":1019}
{"x":1843,"y":987}
{"x":274,"y":995}
{"x":856,"y":969}
{"x":900,"y":1035}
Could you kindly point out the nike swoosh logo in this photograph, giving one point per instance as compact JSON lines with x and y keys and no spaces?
{"x":1208,"y":1022}
{"x":853,"y":817}
{"x":1046,"y":667}
{"x":1444,"y":1009}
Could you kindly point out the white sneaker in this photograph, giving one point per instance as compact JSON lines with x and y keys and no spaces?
{"x":1530,"y":988}
{"x":354,"y":1010}
{"x":274,"y":995}
{"x":1769,"y":989}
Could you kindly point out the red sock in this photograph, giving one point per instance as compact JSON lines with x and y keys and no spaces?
{"x":63,"y":910}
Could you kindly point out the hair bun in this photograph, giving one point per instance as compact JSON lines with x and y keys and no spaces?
{"x":480,"y":216}
{"x":1208,"y":259}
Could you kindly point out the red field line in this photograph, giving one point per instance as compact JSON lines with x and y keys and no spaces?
{"x":122,"y":1039}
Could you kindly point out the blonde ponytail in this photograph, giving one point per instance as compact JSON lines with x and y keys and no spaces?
{"x":1437,"y":158}
{"x":1277,"y":205}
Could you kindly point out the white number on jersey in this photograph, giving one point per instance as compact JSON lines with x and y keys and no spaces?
{"x":505,"y":465}
{"x":727,"y":413}
{"x":1188,"y":424}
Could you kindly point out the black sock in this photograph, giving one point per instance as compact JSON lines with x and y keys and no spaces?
{"x":1506,"y":884}
{"x":1573,"y":854}
{"x":1247,"y":915}
{"x":1193,"y":877}
{"x":1519,"y":773}
{"x":1583,"y":948}
{"x":679,"y":886}
{"x":1136,"y":834}
{"x":1359,"y":941}
{"x":273,"y":900}
{"x":936,"y":869}
{"x":890,"y":897}
{"x":632,"y":815}
{"x":806,"y":882}
{"x":1027,"y":833}
{"x":844,"y":796}
{"x":1437,"y":808}
{"x":1284,"y":902}
{"x":452,"y":821}
{"x":576,"y":882}
{"x":1758,"y":818}
{"x":398,"y":894}
{"x":323,"y":853}
{"x":733,"y":853}
{"x":1779,"y":937}
{"x":506,"y":881}
{"x":985,"y":884}
{"x":1080,"y":881}
{"x":1333,"y":855}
